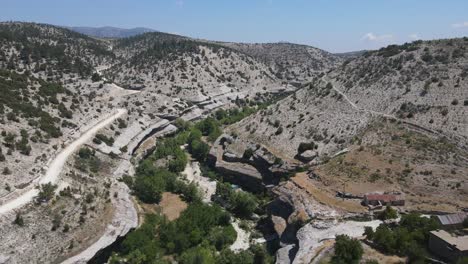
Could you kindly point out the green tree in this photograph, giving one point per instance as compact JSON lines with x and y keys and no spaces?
{"x":369,"y":232}
{"x":222,"y":237}
{"x":226,"y":256}
{"x":199,"y":150}
{"x":347,"y":250}
{"x":95,"y":77}
{"x":243,"y":203}
{"x":149,"y":188}
{"x":197,"y":255}
{"x":388,"y":213}
{"x":46,"y":192}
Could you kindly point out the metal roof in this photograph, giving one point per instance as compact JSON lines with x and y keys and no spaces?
{"x":382,"y":197}
{"x":452,"y":219}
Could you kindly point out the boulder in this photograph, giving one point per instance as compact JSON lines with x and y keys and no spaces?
{"x":279,"y":224}
{"x":286,"y":254}
{"x":231,"y":157}
{"x":307,"y":155}
{"x":241,"y":174}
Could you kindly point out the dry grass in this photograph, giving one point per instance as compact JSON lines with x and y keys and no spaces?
{"x":326,"y":197}
{"x":171,"y":205}
{"x":431,"y":171}
{"x":370,"y":253}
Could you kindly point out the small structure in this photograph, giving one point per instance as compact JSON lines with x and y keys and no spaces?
{"x":448,"y":246}
{"x":376,"y":199}
{"x":452,"y":221}
{"x":346,"y":195}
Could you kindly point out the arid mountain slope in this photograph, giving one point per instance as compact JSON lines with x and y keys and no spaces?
{"x":186,"y":68}
{"x":422,"y":83}
{"x":291,"y":62}
{"x":57,"y":84}
{"x":44,"y":48}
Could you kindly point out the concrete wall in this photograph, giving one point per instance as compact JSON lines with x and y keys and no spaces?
{"x":444,"y":250}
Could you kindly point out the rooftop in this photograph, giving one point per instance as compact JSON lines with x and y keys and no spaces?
{"x":452,"y":219}
{"x":382,"y":197}
{"x":459,"y":242}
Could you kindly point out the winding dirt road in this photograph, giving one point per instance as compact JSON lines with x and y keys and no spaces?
{"x":55,"y":167}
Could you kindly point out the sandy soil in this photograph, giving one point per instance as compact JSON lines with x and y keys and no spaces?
{"x":171,"y":205}
{"x":303,"y":181}
{"x":370,"y":253}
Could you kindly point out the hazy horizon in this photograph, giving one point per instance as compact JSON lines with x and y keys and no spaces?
{"x":335,"y":26}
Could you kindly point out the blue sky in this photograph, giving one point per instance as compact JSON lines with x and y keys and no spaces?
{"x":333,"y":25}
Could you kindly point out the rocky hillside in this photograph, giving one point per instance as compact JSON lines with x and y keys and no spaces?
{"x":47,"y":94}
{"x":392,"y":120}
{"x":186,"y":68}
{"x":291,"y":62}
{"x":422,"y":84}
{"x":111,"y":32}
{"x":57,"y":85}
{"x":48,"y":49}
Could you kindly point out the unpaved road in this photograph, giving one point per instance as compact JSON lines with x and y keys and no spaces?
{"x":55,"y":167}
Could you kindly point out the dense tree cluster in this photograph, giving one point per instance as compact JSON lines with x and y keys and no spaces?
{"x":347,"y":250}
{"x":409,"y":238}
{"x":242,"y":204}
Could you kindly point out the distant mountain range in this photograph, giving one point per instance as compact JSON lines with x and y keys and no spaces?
{"x":111,"y":32}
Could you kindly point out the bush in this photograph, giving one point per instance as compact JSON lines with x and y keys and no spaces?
{"x":305,"y":146}
{"x":279,"y":130}
{"x":197,"y":255}
{"x":122,"y":123}
{"x":369,"y":232}
{"x":46,"y":192}
{"x":228,"y":257}
{"x":248,"y":153}
{"x":95,"y":77}
{"x":347,"y":250}
{"x":85,"y":153}
{"x":222,"y":237}
{"x":199,"y":150}
{"x":87,"y":160}
{"x":103,"y":138}
{"x":18,"y":220}
{"x":243,"y":204}
{"x":388,"y":213}
{"x":6,"y":171}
